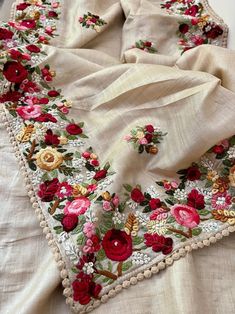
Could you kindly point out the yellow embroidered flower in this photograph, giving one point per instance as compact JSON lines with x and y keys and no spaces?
{"x":63,"y":140}
{"x":232,"y":176}
{"x":49,"y":158}
{"x":212,"y":175}
{"x":139,"y":135}
{"x":79,"y":190}
{"x":67,"y":104}
{"x":106,"y":196}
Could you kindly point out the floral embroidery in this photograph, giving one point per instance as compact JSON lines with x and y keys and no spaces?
{"x":93,"y":21}
{"x":197,"y":28}
{"x":145,"y":45}
{"x":145,"y":138}
{"x":104,"y":234}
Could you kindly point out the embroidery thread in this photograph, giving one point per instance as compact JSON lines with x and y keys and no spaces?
{"x":92,"y":21}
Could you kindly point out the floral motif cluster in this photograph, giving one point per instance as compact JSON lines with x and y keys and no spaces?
{"x":197,"y":28}
{"x":92,"y":21}
{"x":145,"y":45}
{"x":145,"y":138}
{"x":104,"y":233}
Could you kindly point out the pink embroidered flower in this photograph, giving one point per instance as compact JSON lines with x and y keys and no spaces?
{"x":185,"y":215}
{"x":107,"y":206}
{"x":221,"y":200}
{"x":91,"y":188}
{"x":79,"y":206}
{"x":143,"y":141}
{"x":29,"y":112}
{"x":197,"y":40}
{"x":92,"y":245}
{"x":127,"y":137}
{"x":159,"y":214}
{"x":89,"y":229}
{"x":86,"y":155}
{"x":115,"y":200}
{"x":64,"y":190}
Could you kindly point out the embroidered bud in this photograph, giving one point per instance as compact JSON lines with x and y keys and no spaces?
{"x":153,"y":150}
{"x":106,"y":196}
{"x":63,"y":140}
{"x":93,"y":156}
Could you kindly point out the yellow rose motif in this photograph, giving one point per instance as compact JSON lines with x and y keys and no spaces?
{"x":49,"y":158}
{"x":232,"y":176}
{"x":139,"y":135}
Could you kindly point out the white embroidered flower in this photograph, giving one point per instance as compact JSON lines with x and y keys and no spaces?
{"x":90,"y":175}
{"x":88,"y":268}
{"x":37,"y":177}
{"x":71,"y":251}
{"x":76,"y":143}
{"x":180,"y":195}
{"x":207,"y":163}
{"x":132,"y":205}
{"x":156,"y":226}
{"x":231,"y":152}
{"x":118,"y":218}
{"x":210,"y":226}
{"x":152,"y":191}
{"x":79,"y":163}
{"x":143,"y":218}
{"x":75,"y":180}
{"x":139,"y":258}
{"x":105,"y":183}
{"x":62,"y":237}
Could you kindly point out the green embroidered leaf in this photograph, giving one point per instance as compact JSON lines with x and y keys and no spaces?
{"x":196,"y":231}
{"x":37,"y":70}
{"x":45,"y":177}
{"x":74,"y":270}
{"x":83,"y":135}
{"x":204,"y":212}
{"x":160,"y":183}
{"x":126,"y":265}
{"x":58,"y":217}
{"x":127,"y":187}
{"x":103,"y":229}
{"x":43,"y":84}
{"x":178,"y":235}
{"x":32,"y":165}
{"x":81,"y":239}
{"x":208,"y":184}
{"x":100,"y":255}
{"x":58,"y":229}
{"x":110,"y":266}
{"x":169,"y":201}
{"x":107,"y":166}
{"x":78,"y":229}
{"x":137,"y":240}
{"x":54,"y":174}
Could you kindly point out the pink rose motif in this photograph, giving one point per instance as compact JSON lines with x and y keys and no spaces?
{"x":89,"y":229}
{"x":143,"y":141}
{"x":158,"y":214}
{"x":91,"y":188}
{"x":79,"y":206}
{"x":64,"y":190}
{"x":197,"y":40}
{"x":29,"y":112}
{"x":115,"y":200}
{"x":185,"y":215}
{"x":107,"y":206}
{"x":221,"y":201}
{"x":127,"y":137}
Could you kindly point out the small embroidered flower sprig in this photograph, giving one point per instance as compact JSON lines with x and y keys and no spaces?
{"x":93,"y":21}
{"x":145,"y":138}
{"x":145,"y":45}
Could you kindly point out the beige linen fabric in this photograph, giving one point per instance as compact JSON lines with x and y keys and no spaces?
{"x":191,"y":97}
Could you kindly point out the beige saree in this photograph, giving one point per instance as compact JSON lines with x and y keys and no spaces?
{"x":117,"y":134}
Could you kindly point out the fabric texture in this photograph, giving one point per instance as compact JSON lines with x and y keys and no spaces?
{"x":191,"y":97}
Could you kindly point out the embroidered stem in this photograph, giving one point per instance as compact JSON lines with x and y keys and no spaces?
{"x":187,"y":235}
{"x":107,"y":273}
{"x":32,"y":149}
{"x":119,"y":269}
{"x":54,"y":206}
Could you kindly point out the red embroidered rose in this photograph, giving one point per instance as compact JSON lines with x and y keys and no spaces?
{"x":149,"y":137}
{"x":11,"y":96}
{"x":5,"y":34}
{"x":154,"y":203}
{"x":159,"y":243}
{"x":48,"y":189}
{"x":15,"y":54}
{"x":192,"y":11}
{"x":214,"y":32}
{"x":73,"y":129}
{"x":101,"y":174}
{"x":149,"y":128}
{"x":52,"y":14}
{"x":218,"y":149}
{"x":69,"y":222}
{"x":93,"y":20}
{"x":84,"y":289}
{"x":29,"y":23}
{"x":22,"y":6}
{"x":185,"y":216}
{"x":95,"y":162}
{"x":33,"y":48}
{"x":117,"y":245}
{"x":137,"y":196}
{"x":148,"y":44}
{"x":183,"y":28}
{"x":193,"y":173}
{"x":196,"y":200}
{"x":53,"y":93}
{"x":43,"y":101}
{"x":14,"y":72}
{"x":46,"y":117}
{"x":51,"y":139}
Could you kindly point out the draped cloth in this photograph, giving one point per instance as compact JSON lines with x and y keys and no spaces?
{"x":115,"y":88}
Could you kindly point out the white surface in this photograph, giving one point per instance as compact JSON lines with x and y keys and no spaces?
{"x":225,"y":9}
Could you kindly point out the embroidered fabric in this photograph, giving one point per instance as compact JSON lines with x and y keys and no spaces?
{"x":108,"y":233}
